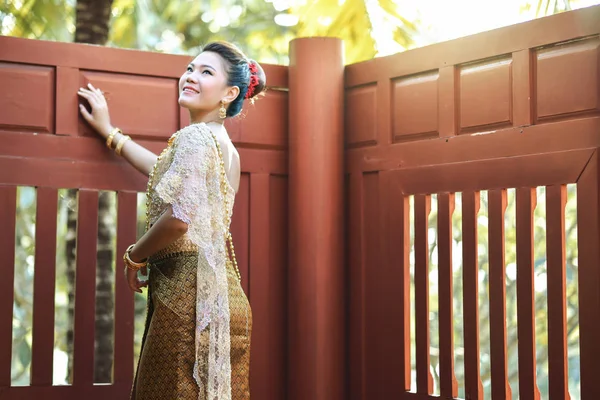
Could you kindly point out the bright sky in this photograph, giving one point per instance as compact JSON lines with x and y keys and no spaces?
{"x":443,"y":20}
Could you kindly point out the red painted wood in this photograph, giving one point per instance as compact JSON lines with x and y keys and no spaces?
{"x":316,"y":306}
{"x":513,"y":142}
{"x":447,"y":101}
{"x":558,"y":369}
{"x":422,"y":210}
{"x":448,"y":382}
{"x":85,"y":288}
{"x":67,"y":80}
{"x":526,"y":202}
{"x":43,"y":287}
{"x":522,"y":88}
{"x":124,"y":297}
{"x":261,"y":285}
{"x":379,"y":289}
{"x":470,"y":210}
{"x":277,"y":272}
{"x":540,"y":32}
{"x":497,"y":274}
{"x":394,"y":280}
{"x":109,"y":59}
{"x":552,"y":168}
{"x":356,"y":288}
{"x":588,"y":235}
{"x":8,"y":212}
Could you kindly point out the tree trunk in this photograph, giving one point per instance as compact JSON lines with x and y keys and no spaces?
{"x":92,"y":20}
{"x":92,"y":26}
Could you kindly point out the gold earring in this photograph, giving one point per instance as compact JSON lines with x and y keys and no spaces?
{"x":222,"y":111}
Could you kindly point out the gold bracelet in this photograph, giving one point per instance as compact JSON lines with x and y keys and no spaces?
{"x":132,"y":265}
{"x":120,"y":144}
{"x":110,"y":137}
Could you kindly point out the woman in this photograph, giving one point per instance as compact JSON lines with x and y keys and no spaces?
{"x":196,"y":343}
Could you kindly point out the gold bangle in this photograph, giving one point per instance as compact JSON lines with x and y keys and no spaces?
{"x":120,"y":144}
{"x":132,"y":265}
{"x":111,"y":136}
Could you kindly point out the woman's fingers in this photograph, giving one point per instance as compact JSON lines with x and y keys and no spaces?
{"x":88,"y":117}
{"x":91,"y":98}
{"x":132,"y":280}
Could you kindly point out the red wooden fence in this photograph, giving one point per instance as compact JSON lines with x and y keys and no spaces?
{"x":47,"y":145}
{"x":518,"y":107}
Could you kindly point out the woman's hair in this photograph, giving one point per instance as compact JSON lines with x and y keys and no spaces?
{"x":238,"y":68}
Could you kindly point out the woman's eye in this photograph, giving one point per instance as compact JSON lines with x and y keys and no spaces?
{"x":207,"y":72}
{"x":189,"y":69}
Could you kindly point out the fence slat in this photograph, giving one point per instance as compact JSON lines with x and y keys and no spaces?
{"x":124,"y":298}
{"x":556,"y":200}
{"x":8,"y":213}
{"x":497,"y":279}
{"x":398,"y":250}
{"x":264,"y":315}
{"x":470,"y":209}
{"x":588,"y":237}
{"x":422,"y":210}
{"x":43,"y":287}
{"x":448,"y":383}
{"x":526,"y":202}
{"x":85,"y":288}
{"x":356,"y":339}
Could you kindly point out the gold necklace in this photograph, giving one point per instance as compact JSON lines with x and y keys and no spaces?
{"x":224,"y":191}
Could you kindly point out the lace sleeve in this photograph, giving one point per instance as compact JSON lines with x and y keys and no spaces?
{"x":192,"y":186}
{"x":184,"y":183}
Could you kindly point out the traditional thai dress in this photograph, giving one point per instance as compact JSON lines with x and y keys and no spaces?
{"x":196,"y":342}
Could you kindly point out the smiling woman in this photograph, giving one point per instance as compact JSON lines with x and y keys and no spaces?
{"x":196,"y":342}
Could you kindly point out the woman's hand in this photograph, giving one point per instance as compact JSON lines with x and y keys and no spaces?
{"x":134,"y":283}
{"x":99,"y":118}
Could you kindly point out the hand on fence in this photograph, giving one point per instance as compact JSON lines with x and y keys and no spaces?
{"x":99,"y":118}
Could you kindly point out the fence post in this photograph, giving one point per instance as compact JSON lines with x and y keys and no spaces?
{"x":316,"y":249}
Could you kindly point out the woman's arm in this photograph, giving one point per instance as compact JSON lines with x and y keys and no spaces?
{"x":139,"y":157}
{"x":165,"y":231}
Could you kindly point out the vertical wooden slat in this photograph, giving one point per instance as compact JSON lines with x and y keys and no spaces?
{"x":448,"y":382}
{"x":278,"y":186}
{"x":588,"y":237}
{"x":448,"y":101}
{"x":43,"y":287}
{"x":397,"y":233}
{"x":260,"y":283}
{"x":522,"y":88}
{"x":376,"y":358}
{"x":470,"y":209}
{"x":124,"y":297}
{"x":497,"y":207}
{"x":8,"y":212}
{"x":67,"y":112}
{"x":526,"y":202}
{"x":356,"y":307}
{"x":422,"y":210}
{"x":85,"y":288}
{"x":558,"y":373}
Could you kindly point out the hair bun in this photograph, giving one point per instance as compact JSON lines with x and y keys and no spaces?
{"x":258,"y":79}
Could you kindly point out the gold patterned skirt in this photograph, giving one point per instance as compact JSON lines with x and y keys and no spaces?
{"x":165,"y":368}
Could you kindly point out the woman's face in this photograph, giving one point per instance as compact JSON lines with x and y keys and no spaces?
{"x":204,"y":84}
